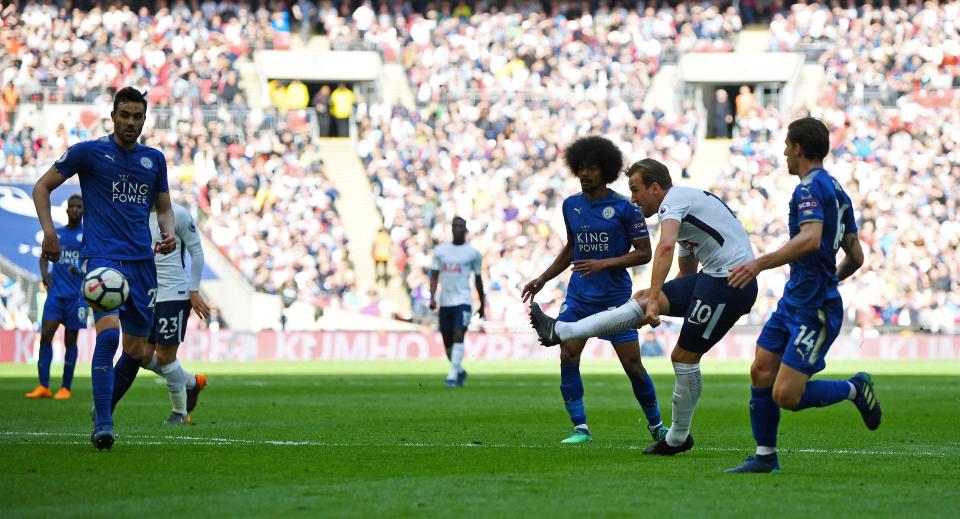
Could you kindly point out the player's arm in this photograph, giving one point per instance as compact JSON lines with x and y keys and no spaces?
{"x":853,"y":258}
{"x":187,"y":231}
{"x":167,"y":222}
{"x":688,"y":265}
{"x":45,"y":276}
{"x":560,"y":263}
{"x":807,"y":241}
{"x":50,"y":180}
{"x":478,"y":282}
{"x":662,"y":259}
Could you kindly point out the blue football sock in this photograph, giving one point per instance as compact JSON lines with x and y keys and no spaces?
{"x":821,"y":393}
{"x":646,"y":394}
{"x":124,"y":373}
{"x":102,"y":374}
{"x":44,"y":360}
{"x":764,"y":416}
{"x":69,"y":363}
{"x":571,"y":387}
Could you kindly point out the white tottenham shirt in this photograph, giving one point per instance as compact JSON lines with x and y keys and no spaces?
{"x":172,"y":281}
{"x":455,"y":264}
{"x":708,"y":229}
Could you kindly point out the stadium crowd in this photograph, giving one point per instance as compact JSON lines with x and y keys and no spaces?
{"x":899,"y":161}
{"x":499,"y":94}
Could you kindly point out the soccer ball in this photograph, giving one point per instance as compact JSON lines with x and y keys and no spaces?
{"x":105,"y":288}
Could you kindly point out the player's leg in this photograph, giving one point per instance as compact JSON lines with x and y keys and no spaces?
{"x":194,"y":382}
{"x":101,"y":373}
{"x":571,"y":389}
{"x":69,"y":363}
{"x":628,"y":351}
{"x":137,"y":320}
{"x":627,"y":316}
{"x":176,"y":383}
{"x":45,"y":356}
{"x":461,"y":320}
{"x":814,"y":333}
{"x":711,"y":310}
{"x":76,"y":321}
{"x":764,"y":411}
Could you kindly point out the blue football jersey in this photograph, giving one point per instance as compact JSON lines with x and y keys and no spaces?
{"x":813,"y":278}
{"x":66,"y":272}
{"x":118,"y":188}
{"x":599,"y":229}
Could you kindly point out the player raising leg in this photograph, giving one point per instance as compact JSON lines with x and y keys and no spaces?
{"x":709,"y":234}
{"x":606,"y":234}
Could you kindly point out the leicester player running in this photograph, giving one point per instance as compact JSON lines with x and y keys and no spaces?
{"x":796,"y":338}
{"x":602,"y":228}
{"x":64,"y":303}
{"x":120,"y":180}
{"x":709,"y":234}
{"x":453,"y":262}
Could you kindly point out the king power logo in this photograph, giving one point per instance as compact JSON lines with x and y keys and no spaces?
{"x":127,"y":190}
{"x":593,"y":241}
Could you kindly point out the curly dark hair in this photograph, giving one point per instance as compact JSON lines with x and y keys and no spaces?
{"x":595,"y":151}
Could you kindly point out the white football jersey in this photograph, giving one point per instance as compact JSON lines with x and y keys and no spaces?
{"x":708,"y":229}
{"x":173,"y":284}
{"x":456,"y":264}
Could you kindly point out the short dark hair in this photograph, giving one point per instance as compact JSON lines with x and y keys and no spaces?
{"x":812,"y":136}
{"x":651,"y":171}
{"x":75,"y":195}
{"x":130,"y":95}
{"x":595,"y":151}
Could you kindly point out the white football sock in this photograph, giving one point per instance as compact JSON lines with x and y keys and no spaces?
{"x":456,"y":359}
{"x":853,"y":392}
{"x":176,"y":386}
{"x":624,"y":317}
{"x":686,"y":392}
{"x":154,"y":365}
{"x":766,"y":451}
{"x":191,"y":378}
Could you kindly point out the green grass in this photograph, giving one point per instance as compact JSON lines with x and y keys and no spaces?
{"x":386,"y":439}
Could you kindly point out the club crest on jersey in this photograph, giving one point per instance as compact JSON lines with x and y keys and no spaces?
{"x":608,"y":212}
{"x":146,"y":162}
{"x":563,"y":308}
{"x":80,"y":237}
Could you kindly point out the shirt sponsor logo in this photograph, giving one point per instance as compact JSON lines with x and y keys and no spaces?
{"x":451,"y":267}
{"x":807,"y":204}
{"x":126,"y":190}
{"x":593,"y":241}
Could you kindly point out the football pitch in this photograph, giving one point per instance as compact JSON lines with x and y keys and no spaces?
{"x":389,"y":440}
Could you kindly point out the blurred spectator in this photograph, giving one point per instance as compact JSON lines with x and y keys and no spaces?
{"x":341,"y":108}
{"x":321,"y":105}
{"x":651,"y":346}
{"x":381,"y":255}
{"x":722,"y":115}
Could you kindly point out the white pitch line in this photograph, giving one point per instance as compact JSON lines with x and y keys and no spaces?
{"x":142,"y":439}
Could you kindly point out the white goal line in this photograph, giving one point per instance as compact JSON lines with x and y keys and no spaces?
{"x":63,"y":438}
